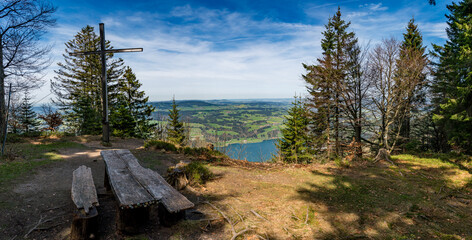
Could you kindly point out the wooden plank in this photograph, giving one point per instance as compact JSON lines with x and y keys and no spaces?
{"x":83,"y":190}
{"x":155,"y":184}
{"x":128,"y":191}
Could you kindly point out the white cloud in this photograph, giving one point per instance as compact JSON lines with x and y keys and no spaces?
{"x":223,"y":54}
{"x":220,"y":55}
{"x":374,"y":7}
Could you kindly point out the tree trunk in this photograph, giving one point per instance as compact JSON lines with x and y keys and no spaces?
{"x":2,"y":91}
{"x":357,"y":137}
{"x":336,"y":126}
{"x":358,"y":129}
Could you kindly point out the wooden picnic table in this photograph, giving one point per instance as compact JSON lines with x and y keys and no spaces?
{"x":137,"y":188}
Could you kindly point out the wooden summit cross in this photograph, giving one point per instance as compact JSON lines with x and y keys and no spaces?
{"x":102,"y":52}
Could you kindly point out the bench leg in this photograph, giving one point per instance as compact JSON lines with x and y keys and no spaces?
{"x":168,"y":219}
{"x":106,"y":182}
{"x":84,"y":226}
{"x":129,"y":220}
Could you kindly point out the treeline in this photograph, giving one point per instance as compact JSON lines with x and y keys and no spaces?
{"x":393,"y":95}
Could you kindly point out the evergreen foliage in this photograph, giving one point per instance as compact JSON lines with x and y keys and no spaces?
{"x":175,"y":128}
{"x":132,"y":114}
{"x":27,"y":117}
{"x":325,"y":83}
{"x":77,"y":83}
{"x":294,"y":144}
{"x":452,"y":86}
{"x":411,"y":64}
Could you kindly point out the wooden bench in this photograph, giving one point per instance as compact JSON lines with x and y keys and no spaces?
{"x":137,"y":188}
{"x":84,"y":196}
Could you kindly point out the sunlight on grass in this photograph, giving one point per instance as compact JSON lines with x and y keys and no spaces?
{"x":31,"y":157}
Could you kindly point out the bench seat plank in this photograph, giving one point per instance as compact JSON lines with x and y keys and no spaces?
{"x":83,"y":190}
{"x":128,"y":191}
{"x":155,"y":184}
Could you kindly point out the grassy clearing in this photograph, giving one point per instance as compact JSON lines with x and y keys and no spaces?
{"x":29,"y":156}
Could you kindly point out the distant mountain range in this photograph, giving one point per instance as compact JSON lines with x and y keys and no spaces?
{"x":220,"y":102}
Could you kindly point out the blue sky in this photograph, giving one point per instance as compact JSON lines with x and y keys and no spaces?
{"x":231,"y":49}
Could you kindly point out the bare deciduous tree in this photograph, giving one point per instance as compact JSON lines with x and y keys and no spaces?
{"x":383,"y":68}
{"x":394,"y":81}
{"x":22,"y":57}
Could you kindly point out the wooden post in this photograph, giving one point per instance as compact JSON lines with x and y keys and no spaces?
{"x":166,"y":218}
{"x":105,"y":124}
{"x":84,"y":226}
{"x":130,"y":220}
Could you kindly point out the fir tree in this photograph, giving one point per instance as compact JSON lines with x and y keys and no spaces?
{"x":77,"y":83}
{"x":27,"y":117}
{"x":453,"y":78}
{"x":294,"y":144}
{"x":132,"y":115}
{"x":175,"y":128}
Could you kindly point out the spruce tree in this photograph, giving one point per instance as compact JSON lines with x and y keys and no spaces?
{"x":325,"y":81}
{"x":294,"y":144}
{"x":175,"y":128}
{"x":452,"y":85}
{"x":132,"y":114}
{"x":412,"y":52}
{"x":27,"y":117}
{"x":77,"y":83}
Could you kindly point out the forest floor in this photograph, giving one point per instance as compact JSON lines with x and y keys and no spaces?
{"x":427,"y":196}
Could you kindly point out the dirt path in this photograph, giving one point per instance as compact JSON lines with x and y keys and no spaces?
{"x":39,"y":205}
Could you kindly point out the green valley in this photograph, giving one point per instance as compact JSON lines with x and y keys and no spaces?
{"x":229,"y":121}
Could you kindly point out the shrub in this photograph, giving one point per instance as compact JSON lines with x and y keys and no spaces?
{"x":157,"y":144}
{"x":32,"y":134}
{"x":198,"y":173}
{"x":14,"y":138}
{"x":412,"y":146}
{"x":201,"y":151}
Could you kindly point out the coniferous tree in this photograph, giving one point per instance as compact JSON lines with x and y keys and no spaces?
{"x":132,"y":115}
{"x":294,"y":145}
{"x":325,"y":82}
{"x":27,"y":116}
{"x":411,"y":65}
{"x":175,"y":128}
{"x":77,"y":83}
{"x":452,"y":85}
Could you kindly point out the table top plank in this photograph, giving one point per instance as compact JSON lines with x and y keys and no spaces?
{"x":155,"y":184}
{"x":128,"y":191}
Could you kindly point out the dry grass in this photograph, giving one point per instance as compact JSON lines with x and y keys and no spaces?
{"x":424,"y":198}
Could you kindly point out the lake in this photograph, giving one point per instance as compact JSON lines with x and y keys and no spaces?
{"x":253,"y":152}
